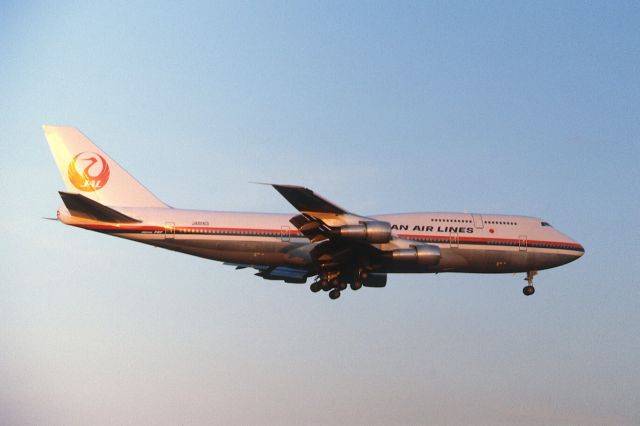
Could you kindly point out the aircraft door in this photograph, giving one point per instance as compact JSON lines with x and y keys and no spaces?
{"x":284,"y":233}
{"x":477,"y":221}
{"x":454,"y":240}
{"x":169,"y":230}
{"x":522,"y":242}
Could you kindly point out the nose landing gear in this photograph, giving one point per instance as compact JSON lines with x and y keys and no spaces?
{"x":529,"y":289}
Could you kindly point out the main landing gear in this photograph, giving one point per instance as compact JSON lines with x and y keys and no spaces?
{"x":334,"y":283}
{"x":529,"y":289}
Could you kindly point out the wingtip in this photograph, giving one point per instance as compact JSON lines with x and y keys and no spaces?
{"x":283,"y":185}
{"x":280,"y":185}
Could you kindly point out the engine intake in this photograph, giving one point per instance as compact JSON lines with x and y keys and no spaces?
{"x":370,"y":232}
{"x":428,"y":255}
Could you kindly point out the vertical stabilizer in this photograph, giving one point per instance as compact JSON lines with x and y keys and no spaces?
{"x":87,"y":170}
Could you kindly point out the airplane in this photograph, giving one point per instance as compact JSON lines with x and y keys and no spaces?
{"x":323,"y":241}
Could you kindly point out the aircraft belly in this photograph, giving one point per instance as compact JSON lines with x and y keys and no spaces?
{"x":500,"y":260}
{"x":255,"y":252}
{"x":274,"y":252}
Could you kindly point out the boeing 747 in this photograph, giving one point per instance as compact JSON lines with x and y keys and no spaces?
{"x":323,"y":241}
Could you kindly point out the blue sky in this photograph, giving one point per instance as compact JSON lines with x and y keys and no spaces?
{"x":500,"y":107}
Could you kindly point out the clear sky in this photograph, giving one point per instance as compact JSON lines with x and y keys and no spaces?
{"x":507,"y":107}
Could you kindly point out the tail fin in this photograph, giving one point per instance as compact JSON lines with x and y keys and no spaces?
{"x":87,"y":170}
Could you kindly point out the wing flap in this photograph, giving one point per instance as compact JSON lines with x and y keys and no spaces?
{"x":287,"y":274}
{"x":310,"y":227}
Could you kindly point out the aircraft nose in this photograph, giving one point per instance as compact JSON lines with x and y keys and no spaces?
{"x":579,"y":249}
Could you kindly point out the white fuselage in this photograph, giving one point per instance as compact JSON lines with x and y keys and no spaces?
{"x":468,"y":242}
{"x":321,"y":239}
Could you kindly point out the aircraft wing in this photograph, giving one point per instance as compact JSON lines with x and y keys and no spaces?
{"x":319,"y":218}
{"x":305,"y":199}
{"x":344,"y":238}
{"x":347,"y":242}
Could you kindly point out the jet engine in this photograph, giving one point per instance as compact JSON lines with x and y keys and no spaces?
{"x":370,"y":232}
{"x":428,"y":255}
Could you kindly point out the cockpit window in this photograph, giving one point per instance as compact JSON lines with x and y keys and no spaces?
{"x":545,"y":224}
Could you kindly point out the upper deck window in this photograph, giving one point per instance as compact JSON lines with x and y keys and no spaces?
{"x":545,"y":224}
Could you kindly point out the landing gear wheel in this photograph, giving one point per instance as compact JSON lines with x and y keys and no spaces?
{"x":334,"y":294}
{"x":529,"y":290}
{"x":315,"y":287}
{"x":356,"y":285}
{"x":342,"y":285}
{"x":324,"y":285}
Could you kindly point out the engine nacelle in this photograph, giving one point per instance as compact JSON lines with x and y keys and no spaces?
{"x":428,"y":255}
{"x":370,"y":232}
{"x":375,"y":280}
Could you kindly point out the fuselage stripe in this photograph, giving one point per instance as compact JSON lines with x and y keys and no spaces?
{"x":293,"y":233}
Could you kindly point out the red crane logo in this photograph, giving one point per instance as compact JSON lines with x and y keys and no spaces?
{"x":88,"y":171}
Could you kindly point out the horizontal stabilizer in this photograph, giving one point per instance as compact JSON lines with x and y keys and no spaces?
{"x":81,"y":206}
